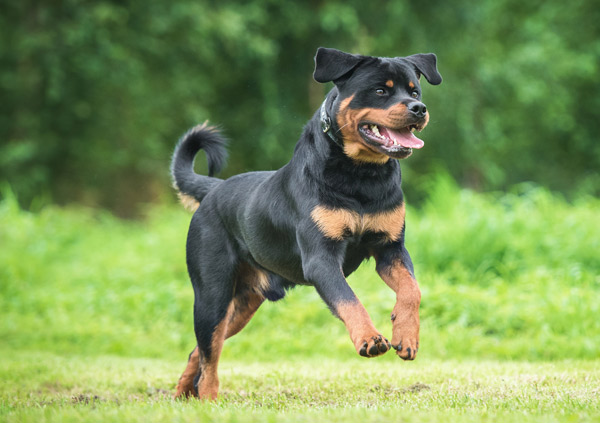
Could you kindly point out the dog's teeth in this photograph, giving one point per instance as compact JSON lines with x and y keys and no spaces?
{"x":375,"y":130}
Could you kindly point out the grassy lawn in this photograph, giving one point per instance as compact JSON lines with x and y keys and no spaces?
{"x":47,"y":387}
{"x":95,"y":321}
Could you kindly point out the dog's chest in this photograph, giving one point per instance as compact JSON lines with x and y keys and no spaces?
{"x":339,"y":223}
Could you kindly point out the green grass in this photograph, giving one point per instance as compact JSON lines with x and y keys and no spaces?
{"x":95,"y":321}
{"x":47,"y":387}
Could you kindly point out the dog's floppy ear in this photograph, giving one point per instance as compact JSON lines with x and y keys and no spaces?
{"x":426,"y":64}
{"x":332,"y":64}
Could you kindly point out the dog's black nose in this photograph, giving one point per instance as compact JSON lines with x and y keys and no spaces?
{"x":417,"y":108}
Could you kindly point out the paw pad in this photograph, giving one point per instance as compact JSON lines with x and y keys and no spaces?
{"x":377,"y":345}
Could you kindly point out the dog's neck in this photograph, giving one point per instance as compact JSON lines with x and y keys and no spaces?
{"x":327,"y":125}
{"x":340,"y":181}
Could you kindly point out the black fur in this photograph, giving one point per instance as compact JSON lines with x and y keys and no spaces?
{"x":263,"y":219}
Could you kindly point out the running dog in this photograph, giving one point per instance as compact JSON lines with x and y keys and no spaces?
{"x":336,"y":203}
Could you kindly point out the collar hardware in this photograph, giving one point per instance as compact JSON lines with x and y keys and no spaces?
{"x":326,"y":123}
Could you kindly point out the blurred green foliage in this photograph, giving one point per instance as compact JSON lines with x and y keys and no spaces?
{"x":95,"y":94}
{"x":513,"y":276}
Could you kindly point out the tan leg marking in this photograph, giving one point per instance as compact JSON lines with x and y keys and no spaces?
{"x":239,"y":313}
{"x":238,"y":316}
{"x":405,"y":316}
{"x":243,"y":312}
{"x":253,"y":278}
{"x":208,"y":385}
{"x":185,"y":386}
{"x":255,"y":282}
{"x":366,"y":339}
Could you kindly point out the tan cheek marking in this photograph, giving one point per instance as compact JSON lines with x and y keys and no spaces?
{"x":389,"y":83}
{"x":392,"y":117}
{"x":348,"y":120}
{"x":359,"y":152}
{"x":354,"y":146}
{"x":333,"y":223}
{"x":389,"y":222}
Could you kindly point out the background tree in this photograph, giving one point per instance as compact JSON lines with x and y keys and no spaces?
{"x":95,"y":95}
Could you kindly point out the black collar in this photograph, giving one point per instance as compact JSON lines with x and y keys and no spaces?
{"x":326,"y":123}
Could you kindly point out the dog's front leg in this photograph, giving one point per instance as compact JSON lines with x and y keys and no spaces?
{"x":395,"y":268}
{"x":322,"y":268}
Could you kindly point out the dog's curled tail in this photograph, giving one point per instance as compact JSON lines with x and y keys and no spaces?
{"x":191,"y":186}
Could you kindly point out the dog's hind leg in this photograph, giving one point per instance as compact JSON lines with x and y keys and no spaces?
{"x":200,"y":377}
{"x":212,"y":266}
{"x":246,"y":300}
{"x":207,"y":380}
{"x":185,"y":386}
{"x":244,"y":308}
{"x":250,"y":285}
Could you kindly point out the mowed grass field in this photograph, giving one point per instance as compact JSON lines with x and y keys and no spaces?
{"x":96,"y":324}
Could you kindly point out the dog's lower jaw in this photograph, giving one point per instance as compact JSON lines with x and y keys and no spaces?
{"x":361,"y":153}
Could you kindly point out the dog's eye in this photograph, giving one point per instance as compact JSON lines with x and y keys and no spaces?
{"x":380,"y":91}
{"x":415,"y":94}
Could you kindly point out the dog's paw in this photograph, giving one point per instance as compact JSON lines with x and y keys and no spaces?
{"x":183,"y":391}
{"x":374,"y":346}
{"x":407,"y":348}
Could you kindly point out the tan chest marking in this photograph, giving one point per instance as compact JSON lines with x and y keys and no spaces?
{"x":335,"y":223}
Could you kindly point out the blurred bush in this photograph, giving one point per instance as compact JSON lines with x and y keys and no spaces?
{"x":95,"y":95}
{"x":512,"y":276}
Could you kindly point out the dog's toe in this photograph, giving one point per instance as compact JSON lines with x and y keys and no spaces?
{"x":374,"y":346}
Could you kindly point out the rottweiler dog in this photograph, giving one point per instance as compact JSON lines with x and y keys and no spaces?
{"x":336,"y":203}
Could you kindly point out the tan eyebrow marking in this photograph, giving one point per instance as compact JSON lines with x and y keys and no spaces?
{"x":389,"y":83}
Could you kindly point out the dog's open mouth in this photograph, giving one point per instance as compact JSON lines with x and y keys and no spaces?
{"x":396,"y":143}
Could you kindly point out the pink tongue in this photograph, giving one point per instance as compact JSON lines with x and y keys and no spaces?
{"x":403,"y":137}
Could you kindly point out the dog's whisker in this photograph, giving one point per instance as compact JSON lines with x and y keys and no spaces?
{"x":342,"y":127}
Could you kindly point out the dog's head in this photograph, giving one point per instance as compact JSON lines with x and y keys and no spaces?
{"x":378,"y":104}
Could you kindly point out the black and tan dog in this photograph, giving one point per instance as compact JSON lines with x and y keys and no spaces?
{"x":336,"y":203}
